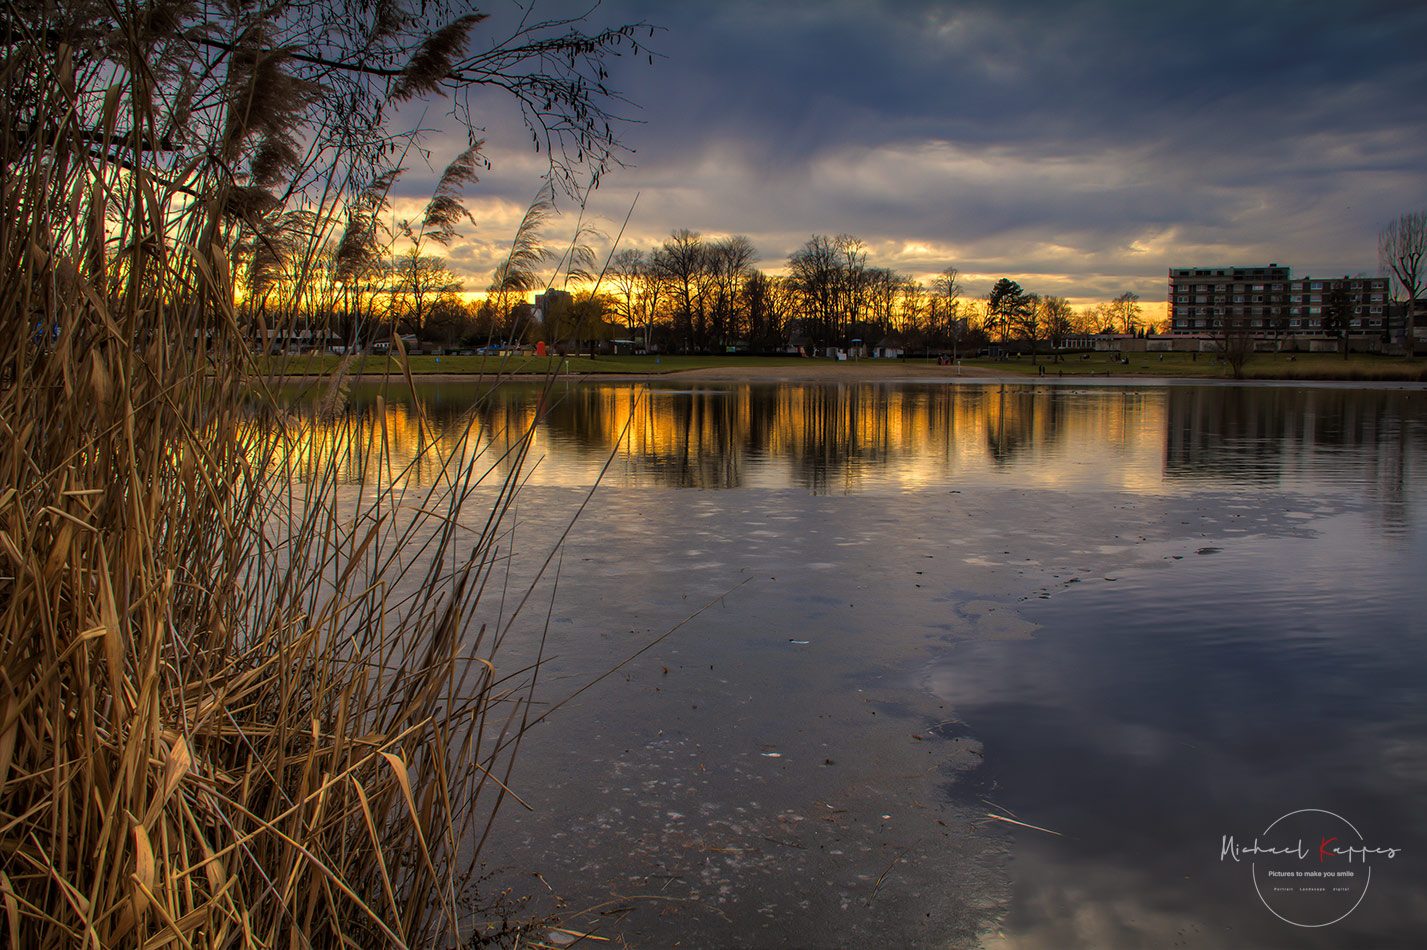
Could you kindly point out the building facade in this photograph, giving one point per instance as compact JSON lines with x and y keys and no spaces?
{"x":1270,"y":302}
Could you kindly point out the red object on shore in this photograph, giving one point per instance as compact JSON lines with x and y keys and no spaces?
{"x":540,"y":348}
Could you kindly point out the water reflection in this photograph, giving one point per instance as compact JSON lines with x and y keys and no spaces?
{"x":832,"y":439}
{"x":1308,"y":438}
{"x":1140,"y":616}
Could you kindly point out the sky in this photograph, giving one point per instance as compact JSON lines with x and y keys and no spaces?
{"x":1080,"y":148}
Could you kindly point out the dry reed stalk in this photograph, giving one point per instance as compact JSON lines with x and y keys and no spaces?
{"x":239,"y":705}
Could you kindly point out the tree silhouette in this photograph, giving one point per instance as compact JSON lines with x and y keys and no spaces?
{"x":1401,"y":246}
{"x":1003,"y":303}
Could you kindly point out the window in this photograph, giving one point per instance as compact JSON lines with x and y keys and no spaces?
{"x":1315,"y":309}
{"x":1296,"y":298}
{"x":1258,"y":286}
{"x":1317,"y":285}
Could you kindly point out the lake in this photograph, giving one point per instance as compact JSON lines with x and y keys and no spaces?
{"x":1143,"y":626}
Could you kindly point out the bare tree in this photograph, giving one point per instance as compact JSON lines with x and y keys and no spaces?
{"x":682,"y":263}
{"x":767,"y":301}
{"x":729,"y":262}
{"x":649,"y":302}
{"x":1126,"y":312}
{"x":853,"y":284}
{"x":1234,"y":338}
{"x":1400,"y":249}
{"x":1097,"y":318}
{"x":626,"y":275}
{"x":1056,"y":317}
{"x":816,"y":269}
{"x":1338,"y":315}
{"x":946,"y":290}
{"x":911,"y":315}
{"x":884,"y":293}
{"x":420,"y":282}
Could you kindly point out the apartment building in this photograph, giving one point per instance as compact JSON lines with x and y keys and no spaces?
{"x":1270,"y":302}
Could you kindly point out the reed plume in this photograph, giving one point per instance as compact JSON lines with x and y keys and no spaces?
{"x":241,"y":703}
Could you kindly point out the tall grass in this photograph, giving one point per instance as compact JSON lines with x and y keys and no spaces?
{"x":239,"y":704}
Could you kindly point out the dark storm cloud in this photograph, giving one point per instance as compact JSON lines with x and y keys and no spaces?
{"x":1094,"y":138}
{"x":796,"y":78}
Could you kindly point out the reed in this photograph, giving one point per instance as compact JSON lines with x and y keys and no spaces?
{"x":241,"y":704}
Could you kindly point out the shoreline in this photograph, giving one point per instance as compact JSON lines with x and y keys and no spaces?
{"x":862,"y":372}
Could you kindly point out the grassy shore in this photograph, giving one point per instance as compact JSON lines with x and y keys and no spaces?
{"x":1302,"y":366}
{"x":1290,"y":366}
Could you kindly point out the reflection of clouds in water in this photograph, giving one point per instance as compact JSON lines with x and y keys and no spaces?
{"x":1181,"y":896}
{"x":1102,"y":904}
{"x":1148,"y":711}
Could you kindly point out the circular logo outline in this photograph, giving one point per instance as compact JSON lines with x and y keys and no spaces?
{"x":1253,"y":868}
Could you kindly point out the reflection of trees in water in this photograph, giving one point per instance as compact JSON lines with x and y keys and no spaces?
{"x":379,"y":436}
{"x":1022,"y":420}
{"x":704,"y":447}
{"x":686,"y":439}
{"x":825,"y":436}
{"x":1328,"y":435}
{"x":1232,"y":433}
{"x":832,"y":438}
{"x":829,"y":437}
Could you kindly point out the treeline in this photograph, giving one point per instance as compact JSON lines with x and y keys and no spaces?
{"x":694,"y":294}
